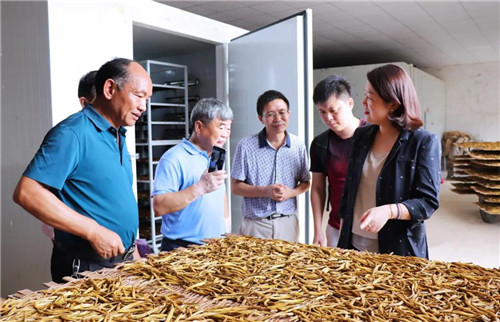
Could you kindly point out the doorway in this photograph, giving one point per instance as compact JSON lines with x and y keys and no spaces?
{"x":183,"y":71}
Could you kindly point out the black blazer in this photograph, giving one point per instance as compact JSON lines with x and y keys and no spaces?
{"x":411,"y":175}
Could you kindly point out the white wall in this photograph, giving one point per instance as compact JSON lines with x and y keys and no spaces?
{"x":432,"y":97}
{"x":26,"y":117}
{"x":472,"y":99}
{"x":83,"y":35}
{"x":79,"y":45}
{"x":106,"y":33}
{"x":85,"y":46}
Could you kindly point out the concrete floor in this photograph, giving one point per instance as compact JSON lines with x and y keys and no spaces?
{"x":456,"y":232}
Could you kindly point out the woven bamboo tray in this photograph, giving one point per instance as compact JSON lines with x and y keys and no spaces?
{"x":463,"y":191}
{"x":460,"y":167}
{"x":490,"y":184}
{"x":463,"y":187}
{"x":463,"y":184}
{"x":249,"y":279}
{"x":485,"y":173}
{"x":485,"y":146}
{"x":489,"y":208}
{"x":459,"y":158}
{"x":486,"y":191}
{"x":485,"y":155}
{"x":488,"y":199}
{"x":486,"y":163}
{"x":462,"y":173}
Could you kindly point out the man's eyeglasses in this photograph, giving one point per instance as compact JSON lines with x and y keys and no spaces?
{"x":281,"y":113}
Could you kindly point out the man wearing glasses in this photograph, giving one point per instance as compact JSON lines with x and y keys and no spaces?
{"x":270,"y":169}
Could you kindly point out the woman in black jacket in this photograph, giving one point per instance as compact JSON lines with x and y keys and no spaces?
{"x":393,"y":179}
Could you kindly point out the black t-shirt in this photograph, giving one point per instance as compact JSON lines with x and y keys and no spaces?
{"x":334,"y":167}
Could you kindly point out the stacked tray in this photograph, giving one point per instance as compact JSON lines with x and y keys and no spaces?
{"x":484,"y":172}
{"x":450,"y":150}
{"x":241,"y":278}
{"x":461,"y":180}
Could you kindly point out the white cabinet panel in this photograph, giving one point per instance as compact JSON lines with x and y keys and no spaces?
{"x":274,"y":57}
{"x":433,"y":103}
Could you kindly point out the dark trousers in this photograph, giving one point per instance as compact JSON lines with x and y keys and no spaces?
{"x":67,"y":263}
{"x":168,"y":244}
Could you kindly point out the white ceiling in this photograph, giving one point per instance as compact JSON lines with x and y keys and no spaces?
{"x":423,"y":33}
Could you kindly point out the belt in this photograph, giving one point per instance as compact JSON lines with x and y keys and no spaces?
{"x":276,"y":215}
{"x":88,"y":253}
{"x":179,"y":242}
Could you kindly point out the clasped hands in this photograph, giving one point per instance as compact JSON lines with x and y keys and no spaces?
{"x":279,"y":192}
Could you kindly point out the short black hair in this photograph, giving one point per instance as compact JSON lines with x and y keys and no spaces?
{"x":332,"y":85}
{"x":116,"y":69}
{"x":86,"y":86}
{"x":269,"y":96}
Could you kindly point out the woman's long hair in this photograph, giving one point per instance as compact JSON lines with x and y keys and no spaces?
{"x":393,"y":84}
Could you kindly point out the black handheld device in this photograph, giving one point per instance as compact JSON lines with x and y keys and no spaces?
{"x":216,"y":159}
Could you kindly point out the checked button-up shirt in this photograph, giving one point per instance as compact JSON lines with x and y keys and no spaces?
{"x":257,"y":163}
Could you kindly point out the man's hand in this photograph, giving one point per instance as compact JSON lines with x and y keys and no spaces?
{"x":278,"y":192}
{"x":44,"y":205}
{"x":105,"y":242}
{"x":211,"y":181}
{"x":171,"y":202}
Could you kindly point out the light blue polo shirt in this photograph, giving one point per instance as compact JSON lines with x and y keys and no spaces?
{"x":179,"y":168}
{"x":80,"y":161}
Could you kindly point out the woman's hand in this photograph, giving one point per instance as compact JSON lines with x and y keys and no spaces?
{"x":375,"y":218}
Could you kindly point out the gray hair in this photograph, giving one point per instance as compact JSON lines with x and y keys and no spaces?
{"x":208,"y":109}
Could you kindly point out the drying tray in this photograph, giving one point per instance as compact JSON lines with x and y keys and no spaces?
{"x":241,"y":278}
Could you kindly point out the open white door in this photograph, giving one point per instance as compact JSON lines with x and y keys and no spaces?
{"x":279,"y":57}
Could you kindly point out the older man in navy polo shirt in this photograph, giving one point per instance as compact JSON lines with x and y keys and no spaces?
{"x":80,"y":180}
{"x":270,"y":169}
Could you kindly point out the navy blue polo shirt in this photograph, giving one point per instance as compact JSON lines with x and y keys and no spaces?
{"x":80,"y":161}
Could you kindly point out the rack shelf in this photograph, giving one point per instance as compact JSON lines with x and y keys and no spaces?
{"x":158,"y":142}
{"x":167,"y":86}
{"x":162,"y":126}
{"x":167,"y":105}
{"x":167,"y":123}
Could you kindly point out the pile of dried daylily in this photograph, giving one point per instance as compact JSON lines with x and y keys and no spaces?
{"x":481,"y":169}
{"x":243,"y":278}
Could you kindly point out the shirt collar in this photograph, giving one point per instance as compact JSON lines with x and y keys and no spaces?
{"x":191,"y":148}
{"x":99,"y":121}
{"x":263,"y":140}
{"x":404,"y":135}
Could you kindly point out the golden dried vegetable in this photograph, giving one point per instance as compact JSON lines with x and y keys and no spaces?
{"x":241,"y":278}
